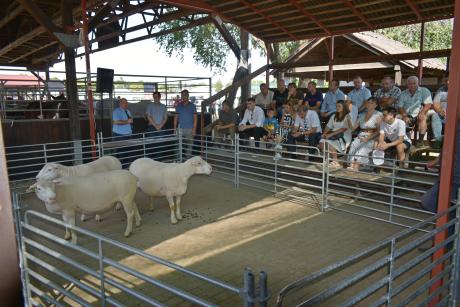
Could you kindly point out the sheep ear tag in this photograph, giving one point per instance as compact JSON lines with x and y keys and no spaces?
{"x":32,"y":188}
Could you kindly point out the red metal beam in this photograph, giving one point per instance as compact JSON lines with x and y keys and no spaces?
{"x":420,"y":60}
{"x":414,"y":9}
{"x":268,"y":18}
{"x":313,"y":18}
{"x":448,"y":151}
{"x":349,"y":3}
{"x":195,"y":5}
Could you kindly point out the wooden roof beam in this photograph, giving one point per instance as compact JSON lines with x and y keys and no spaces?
{"x":99,"y":16}
{"x":313,"y":18}
{"x":11,"y":15}
{"x":268,"y":18}
{"x":349,"y":3}
{"x":414,"y":9}
{"x":32,"y":52}
{"x":68,"y":40}
{"x":39,"y":16}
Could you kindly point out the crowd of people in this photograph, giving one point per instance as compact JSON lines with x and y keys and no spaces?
{"x":353,"y":125}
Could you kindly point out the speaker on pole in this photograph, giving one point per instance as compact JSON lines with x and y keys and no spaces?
{"x":104,"y":83}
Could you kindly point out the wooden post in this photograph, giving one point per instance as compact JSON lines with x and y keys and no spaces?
{"x":267,"y":72}
{"x":420,"y":60}
{"x":71,"y":80}
{"x":331,"y":59}
{"x":246,"y":88}
{"x":9,"y":269}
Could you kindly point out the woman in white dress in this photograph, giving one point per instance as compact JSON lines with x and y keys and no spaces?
{"x":337,"y":132}
{"x":363,"y":144}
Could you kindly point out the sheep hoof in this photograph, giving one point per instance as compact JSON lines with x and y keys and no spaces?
{"x":98,"y":218}
{"x":83,"y":218}
{"x":174,"y":221}
{"x":127,"y":234}
{"x":67,"y":236}
{"x":118,"y":207}
{"x":74,"y":240}
{"x":179,"y":217}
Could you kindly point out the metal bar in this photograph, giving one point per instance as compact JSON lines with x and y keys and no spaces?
{"x":249,"y":288}
{"x":64,"y":275}
{"x":122,"y":246}
{"x":55,"y":286}
{"x":68,"y":261}
{"x":101,"y":272}
{"x":42,"y":294}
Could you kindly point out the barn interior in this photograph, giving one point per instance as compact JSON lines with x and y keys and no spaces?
{"x":272,"y":212}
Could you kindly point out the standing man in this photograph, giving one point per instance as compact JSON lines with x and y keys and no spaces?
{"x":280,"y":97}
{"x":388,"y":94}
{"x":122,"y":130}
{"x":330,"y":99}
{"x":122,"y":121}
{"x":359,"y":94}
{"x":157,"y":115}
{"x":186,"y":117}
{"x":265,"y":98}
{"x":253,"y":122}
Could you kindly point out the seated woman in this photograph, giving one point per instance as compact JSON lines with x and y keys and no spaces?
{"x":337,"y":132}
{"x":393,"y":134}
{"x":287,"y":121}
{"x":363,"y":144}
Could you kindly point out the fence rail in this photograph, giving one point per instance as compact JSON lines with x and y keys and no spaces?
{"x":300,"y":174}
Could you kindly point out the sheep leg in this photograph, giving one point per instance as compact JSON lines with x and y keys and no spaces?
{"x":69,"y":218}
{"x":137,"y":216}
{"x":83,"y":217}
{"x":118,"y":206}
{"x":67,"y":235}
{"x":151,"y":204}
{"x":98,"y":218}
{"x":170,"y":199}
{"x":178,"y":213}
{"x":129,"y":217}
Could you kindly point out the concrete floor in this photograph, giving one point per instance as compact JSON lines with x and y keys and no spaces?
{"x":225,"y":230}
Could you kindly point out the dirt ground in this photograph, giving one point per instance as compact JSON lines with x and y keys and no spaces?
{"x":223,"y":231}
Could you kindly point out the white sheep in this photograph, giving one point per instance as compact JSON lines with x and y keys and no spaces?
{"x":54,"y":170}
{"x":90,"y":194}
{"x":167,"y":179}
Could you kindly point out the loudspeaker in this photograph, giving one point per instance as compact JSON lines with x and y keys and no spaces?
{"x":104,"y":83}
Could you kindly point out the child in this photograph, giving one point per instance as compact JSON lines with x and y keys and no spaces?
{"x":287,"y":120}
{"x":270,"y":125}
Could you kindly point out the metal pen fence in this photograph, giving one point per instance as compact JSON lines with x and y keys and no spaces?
{"x":297,"y":173}
{"x":395,"y":271}
{"x":49,"y":262}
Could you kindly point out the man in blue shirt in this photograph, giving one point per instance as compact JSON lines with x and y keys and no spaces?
{"x":122,"y":121}
{"x":157,"y":115}
{"x":186,"y":120}
{"x":330,"y":99}
{"x":313,"y":98}
{"x":359,"y":95}
{"x":122,"y":130}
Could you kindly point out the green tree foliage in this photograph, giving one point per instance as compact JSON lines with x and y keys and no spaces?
{"x":438,"y":35}
{"x":210,"y":49}
{"x":218,"y":85}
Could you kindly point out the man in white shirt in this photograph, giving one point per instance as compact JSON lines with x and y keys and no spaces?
{"x":393,"y":134}
{"x":265,"y":98}
{"x":307,"y":128}
{"x":253,"y":121}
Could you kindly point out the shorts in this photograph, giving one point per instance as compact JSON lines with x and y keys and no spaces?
{"x":407,"y":143}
